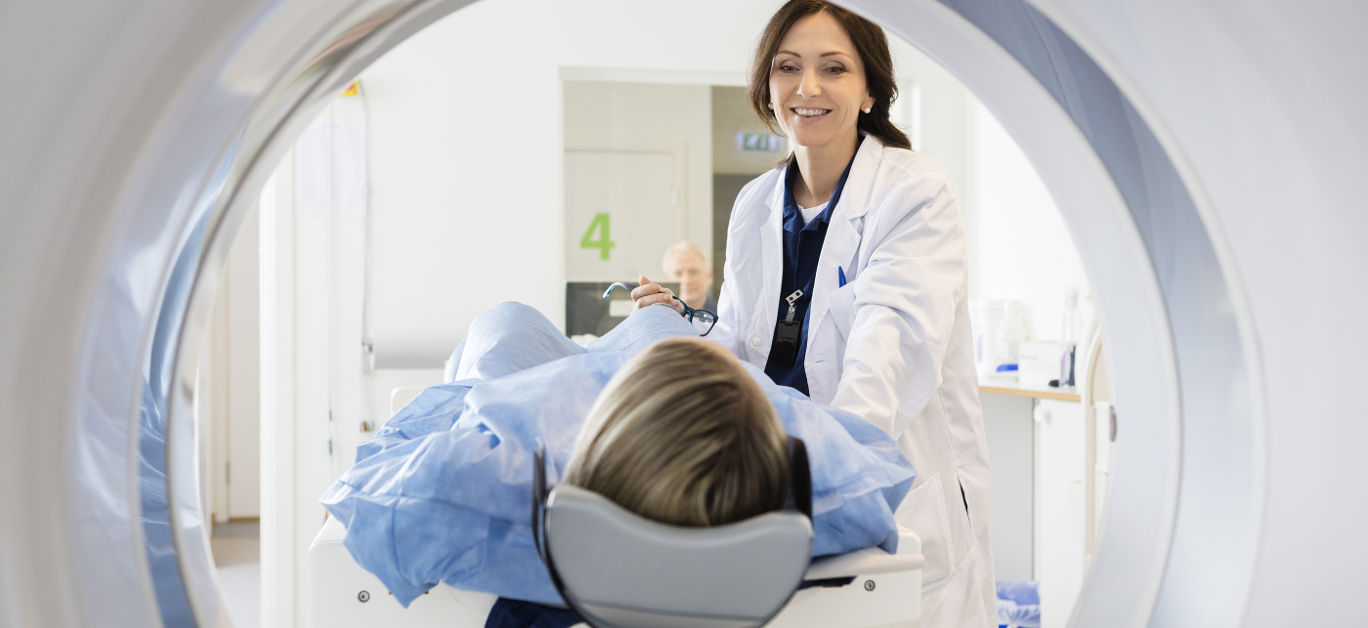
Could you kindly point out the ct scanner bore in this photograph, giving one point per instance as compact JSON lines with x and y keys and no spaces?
{"x":1207,"y":157}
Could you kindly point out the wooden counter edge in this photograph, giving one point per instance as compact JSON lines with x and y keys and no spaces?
{"x":1030,"y":392}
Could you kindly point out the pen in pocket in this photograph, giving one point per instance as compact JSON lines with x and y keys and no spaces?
{"x":840,"y":276}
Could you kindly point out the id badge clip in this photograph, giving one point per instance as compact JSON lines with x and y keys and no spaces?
{"x":788,"y":333}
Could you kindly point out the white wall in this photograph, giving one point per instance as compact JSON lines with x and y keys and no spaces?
{"x":931,"y":108}
{"x":1019,"y":246}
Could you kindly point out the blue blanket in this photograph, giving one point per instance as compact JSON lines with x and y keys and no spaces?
{"x":443,"y":491}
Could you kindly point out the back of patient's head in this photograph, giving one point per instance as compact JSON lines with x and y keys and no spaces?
{"x":683,"y":435}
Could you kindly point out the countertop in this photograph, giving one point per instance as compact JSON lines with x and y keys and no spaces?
{"x":1009,"y":386}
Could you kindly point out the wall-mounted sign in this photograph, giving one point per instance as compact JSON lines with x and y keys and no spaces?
{"x":604,"y":241}
{"x":759,"y":143}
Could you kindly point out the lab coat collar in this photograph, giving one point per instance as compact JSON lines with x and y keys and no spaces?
{"x":855,"y":197}
{"x":839,"y":252}
{"x":793,"y":221}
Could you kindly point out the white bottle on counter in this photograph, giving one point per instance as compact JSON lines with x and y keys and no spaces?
{"x":1011,"y":331}
{"x":1070,"y":334}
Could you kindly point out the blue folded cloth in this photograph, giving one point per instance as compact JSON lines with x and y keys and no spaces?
{"x":443,"y":491}
{"x":1018,"y":604}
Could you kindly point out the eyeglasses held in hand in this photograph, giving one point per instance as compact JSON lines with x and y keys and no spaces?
{"x":702,"y":320}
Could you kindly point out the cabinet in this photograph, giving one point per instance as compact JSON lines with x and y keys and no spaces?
{"x":1038,"y":443}
{"x":1060,"y":509}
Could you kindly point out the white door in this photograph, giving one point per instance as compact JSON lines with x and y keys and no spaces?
{"x":1060,"y":516}
{"x":230,"y":397}
{"x":621,"y":212}
{"x":1011,"y":434}
{"x":244,"y":375}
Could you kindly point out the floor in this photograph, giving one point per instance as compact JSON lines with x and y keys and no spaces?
{"x":237,"y":552}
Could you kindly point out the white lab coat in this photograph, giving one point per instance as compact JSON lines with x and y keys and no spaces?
{"x":893,"y":345}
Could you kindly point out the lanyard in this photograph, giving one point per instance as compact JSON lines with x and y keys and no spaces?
{"x":788,"y":333}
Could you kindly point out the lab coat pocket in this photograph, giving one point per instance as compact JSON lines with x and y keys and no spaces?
{"x":841,"y":309}
{"x":924,"y":511}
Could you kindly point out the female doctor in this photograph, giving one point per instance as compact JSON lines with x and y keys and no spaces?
{"x":846,"y":279}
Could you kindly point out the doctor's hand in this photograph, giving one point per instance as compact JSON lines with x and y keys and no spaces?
{"x":650,"y":293}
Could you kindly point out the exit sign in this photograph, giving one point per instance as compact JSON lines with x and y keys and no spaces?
{"x":759,"y":143}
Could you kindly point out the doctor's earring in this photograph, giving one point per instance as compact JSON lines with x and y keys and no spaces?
{"x":867,"y":109}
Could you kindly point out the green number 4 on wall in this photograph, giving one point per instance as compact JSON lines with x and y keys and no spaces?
{"x":604,"y":242}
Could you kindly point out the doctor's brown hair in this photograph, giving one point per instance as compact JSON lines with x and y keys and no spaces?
{"x":684,"y":436}
{"x":870,"y":44}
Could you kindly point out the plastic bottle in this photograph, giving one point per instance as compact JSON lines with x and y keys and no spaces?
{"x":1071,"y":328}
{"x":1012,"y":330}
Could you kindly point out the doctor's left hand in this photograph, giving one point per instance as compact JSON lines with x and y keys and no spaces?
{"x":651,"y":293}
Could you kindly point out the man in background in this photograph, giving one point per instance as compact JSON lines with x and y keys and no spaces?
{"x":687,"y":263}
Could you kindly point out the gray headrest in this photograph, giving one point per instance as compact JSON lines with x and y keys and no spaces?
{"x":618,"y":569}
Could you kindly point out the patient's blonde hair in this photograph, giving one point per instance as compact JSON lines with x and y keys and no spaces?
{"x":683,"y":435}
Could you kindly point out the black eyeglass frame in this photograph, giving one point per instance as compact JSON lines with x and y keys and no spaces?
{"x":708,"y":317}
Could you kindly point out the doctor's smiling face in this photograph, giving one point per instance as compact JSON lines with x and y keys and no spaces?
{"x":817,"y":83}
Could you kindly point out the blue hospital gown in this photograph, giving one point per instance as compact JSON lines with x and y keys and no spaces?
{"x":443,"y":491}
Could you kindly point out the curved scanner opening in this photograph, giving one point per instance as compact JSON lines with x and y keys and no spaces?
{"x":1184,"y":376}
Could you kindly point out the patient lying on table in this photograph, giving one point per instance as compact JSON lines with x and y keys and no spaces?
{"x":655,"y":419}
{"x":683,"y":436}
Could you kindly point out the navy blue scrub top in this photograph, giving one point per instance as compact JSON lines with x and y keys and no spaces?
{"x":802,"y":248}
